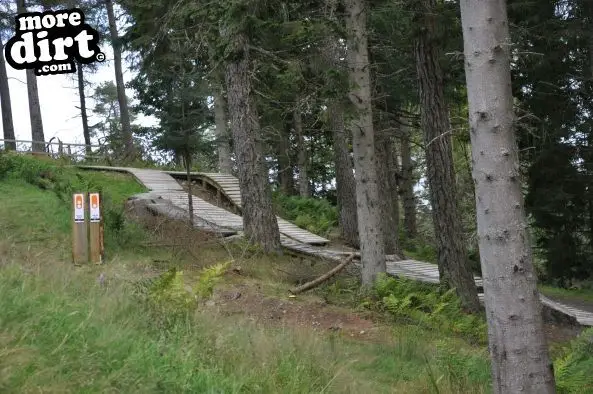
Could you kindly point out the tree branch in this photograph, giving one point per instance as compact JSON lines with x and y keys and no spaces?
{"x":322,"y":278}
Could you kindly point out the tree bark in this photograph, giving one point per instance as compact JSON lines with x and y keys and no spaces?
{"x":303,"y":155}
{"x":259,"y":222}
{"x":520,"y":360}
{"x":85,"y":121}
{"x":345,"y":183}
{"x":33,"y":96}
{"x":5,"y":104}
{"x":285,"y":167}
{"x":124,"y":111}
{"x":588,"y":11}
{"x":394,"y":174}
{"x":225,"y":164}
{"x":384,"y":156}
{"x":190,"y":197}
{"x":407,"y":184}
{"x":372,"y":247}
{"x":35,"y":113}
{"x":452,"y":254}
{"x":589,"y":14}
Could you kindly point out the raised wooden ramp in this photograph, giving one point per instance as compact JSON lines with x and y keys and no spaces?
{"x":428,"y":273}
{"x":164,"y":186}
{"x":228,"y":185}
{"x":582,"y":317}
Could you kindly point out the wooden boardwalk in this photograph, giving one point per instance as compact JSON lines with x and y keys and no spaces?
{"x":216,"y":219}
{"x":228,"y":185}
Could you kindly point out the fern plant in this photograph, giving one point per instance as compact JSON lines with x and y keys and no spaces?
{"x":574,"y":370}
{"x":428,"y":306}
{"x":209,"y":277}
{"x":169,"y":293}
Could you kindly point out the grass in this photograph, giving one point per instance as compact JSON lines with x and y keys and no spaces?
{"x":63,"y":332}
{"x":568,"y":294}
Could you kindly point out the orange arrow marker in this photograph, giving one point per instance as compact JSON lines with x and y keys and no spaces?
{"x":94,"y":201}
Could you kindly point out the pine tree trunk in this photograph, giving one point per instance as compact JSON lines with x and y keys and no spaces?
{"x":225,"y":164}
{"x":34,"y":105}
{"x":407,"y":184}
{"x":345,"y":183}
{"x":303,"y":155}
{"x":190,"y":197}
{"x":520,"y":360}
{"x":394,"y":178}
{"x":5,"y":104}
{"x":588,"y":11}
{"x":384,"y":155}
{"x":35,"y":113}
{"x":394,"y":175}
{"x":85,"y":121}
{"x":259,"y":222}
{"x":372,"y":246}
{"x":453,"y":262}
{"x":124,"y":111}
{"x":589,"y":15}
{"x":285,"y":168}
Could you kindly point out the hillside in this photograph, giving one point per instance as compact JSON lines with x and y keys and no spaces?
{"x":134,"y":325}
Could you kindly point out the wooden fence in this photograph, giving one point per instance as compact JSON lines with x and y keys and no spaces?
{"x":56,"y":148}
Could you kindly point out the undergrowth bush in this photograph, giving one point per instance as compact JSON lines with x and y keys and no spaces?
{"x":429,"y":306}
{"x":316,"y":215}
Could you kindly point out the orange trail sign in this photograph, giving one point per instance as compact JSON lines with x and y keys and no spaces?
{"x":79,"y":207}
{"x":95,"y":212}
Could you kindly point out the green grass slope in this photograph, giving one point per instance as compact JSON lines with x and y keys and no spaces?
{"x":63,"y":332}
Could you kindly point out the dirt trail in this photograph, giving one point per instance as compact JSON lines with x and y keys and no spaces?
{"x":300,"y":311}
{"x":314,"y":313}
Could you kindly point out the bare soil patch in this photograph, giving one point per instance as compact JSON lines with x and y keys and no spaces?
{"x":301,"y":311}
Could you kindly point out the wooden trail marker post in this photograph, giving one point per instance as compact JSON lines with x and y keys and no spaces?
{"x":79,"y":230}
{"x":95,"y":229}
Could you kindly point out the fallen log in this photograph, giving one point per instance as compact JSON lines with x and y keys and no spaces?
{"x":324,"y":277}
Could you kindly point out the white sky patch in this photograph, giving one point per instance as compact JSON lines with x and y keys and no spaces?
{"x":58,"y":96}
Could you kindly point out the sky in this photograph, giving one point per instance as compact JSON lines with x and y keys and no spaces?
{"x":58,"y":96}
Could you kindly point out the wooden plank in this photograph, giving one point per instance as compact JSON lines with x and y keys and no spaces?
{"x":80,"y":246}
{"x":96,"y":250}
